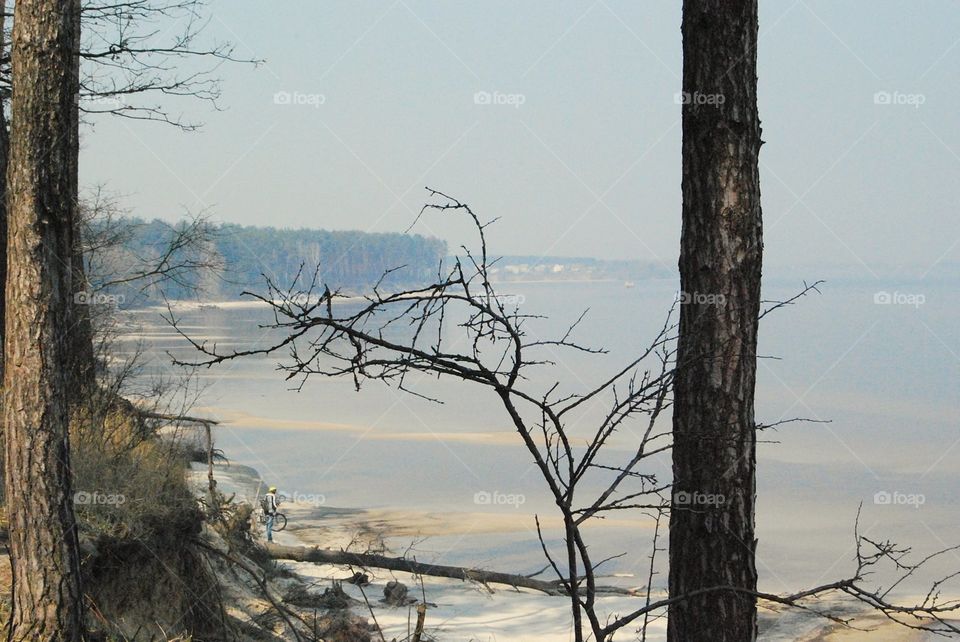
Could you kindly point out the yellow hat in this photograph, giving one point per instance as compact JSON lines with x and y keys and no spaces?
{"x":273,"y":489}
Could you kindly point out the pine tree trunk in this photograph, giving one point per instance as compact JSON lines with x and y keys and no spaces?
{"x":82,"y":359}
{"x":43,"y":538}
{"x":712,"y":539}
{"x":4,"y":155}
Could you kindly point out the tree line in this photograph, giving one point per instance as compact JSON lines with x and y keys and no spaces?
{"x":237,"y":257}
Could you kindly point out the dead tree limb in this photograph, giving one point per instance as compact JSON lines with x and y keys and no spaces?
{"x":146,"y":414}
{"x":370,"y":560}
{"x":458,"y":327}
{"x":261,"y":582}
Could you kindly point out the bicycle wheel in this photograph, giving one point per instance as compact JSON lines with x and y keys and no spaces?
{"x":279,"y":522}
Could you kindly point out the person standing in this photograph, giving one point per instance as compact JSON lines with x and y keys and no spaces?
{"x":270,"y":510}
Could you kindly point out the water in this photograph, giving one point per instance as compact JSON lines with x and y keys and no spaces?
{"x":884,"y":374}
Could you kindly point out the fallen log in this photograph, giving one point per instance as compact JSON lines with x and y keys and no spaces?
{"x":370,"y":560}
{"x":146,"y":414}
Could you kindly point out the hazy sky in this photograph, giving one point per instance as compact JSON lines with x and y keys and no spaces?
{"x":583,"y":155}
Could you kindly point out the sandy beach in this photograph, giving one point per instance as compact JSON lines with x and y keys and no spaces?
{"x":465,"y":611}
{"x":460,"y":610}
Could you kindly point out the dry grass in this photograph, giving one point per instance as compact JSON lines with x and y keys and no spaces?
{"x":137,"y":516}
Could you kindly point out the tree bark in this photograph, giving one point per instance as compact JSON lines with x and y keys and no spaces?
{"x":81,"y":364}
{"x":712,"y":539}
{"x":4,"y":156}
{"x":43,"y":537}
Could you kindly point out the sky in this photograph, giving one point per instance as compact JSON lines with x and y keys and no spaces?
{"x":561,"y":118}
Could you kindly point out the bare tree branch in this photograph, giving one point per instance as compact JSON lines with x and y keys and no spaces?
{"x":389,"y":335}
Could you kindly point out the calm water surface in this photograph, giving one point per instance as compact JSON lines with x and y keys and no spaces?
{"x":884,"y":375}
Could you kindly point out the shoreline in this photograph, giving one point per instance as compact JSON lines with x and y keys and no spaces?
{"x":462,"y":610}
{"x":311,"y":522}
{"x":189,"y":305}
{"x":457,"y":609}
{"x":185,"y":305}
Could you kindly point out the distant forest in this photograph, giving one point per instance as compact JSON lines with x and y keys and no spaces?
{"x":217,"y":262}
{"x":244,"y":255}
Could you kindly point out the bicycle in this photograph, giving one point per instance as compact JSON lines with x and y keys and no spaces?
{"x":279,"y":520}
